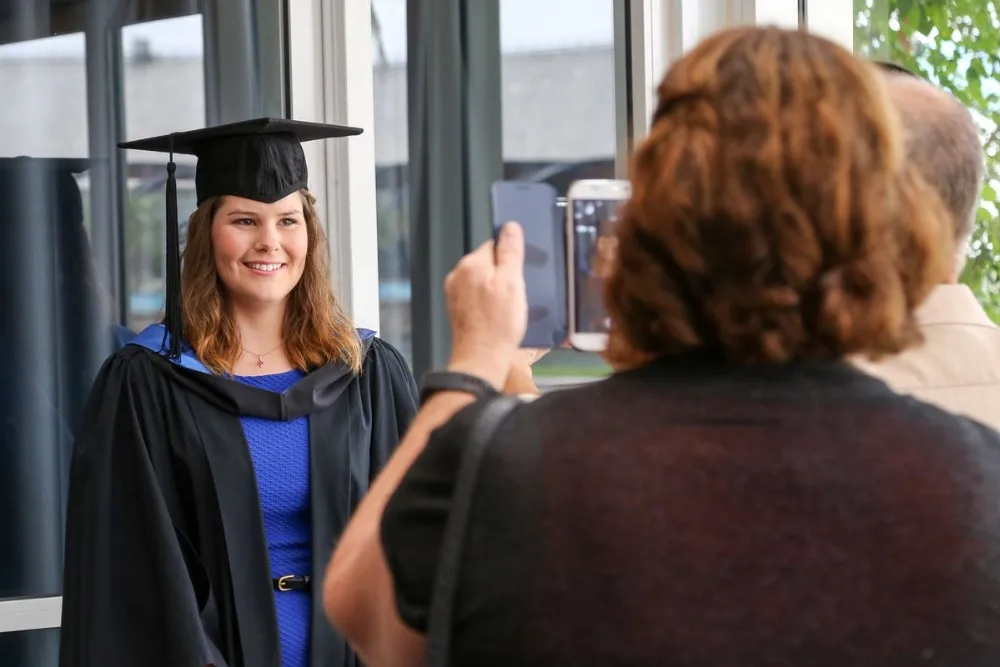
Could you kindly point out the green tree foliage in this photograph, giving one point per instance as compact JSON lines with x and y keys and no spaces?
{"x":955,"y":44}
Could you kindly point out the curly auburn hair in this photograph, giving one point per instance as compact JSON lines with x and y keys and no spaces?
{"x":316,"y":329}
{"x":772,"y":216}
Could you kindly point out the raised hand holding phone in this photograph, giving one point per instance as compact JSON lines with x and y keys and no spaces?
{"x":485,"y":297}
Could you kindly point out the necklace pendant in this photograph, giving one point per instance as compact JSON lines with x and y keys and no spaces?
{"x":260,"y":361}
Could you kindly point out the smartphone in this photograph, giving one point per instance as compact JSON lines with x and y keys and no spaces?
{"x":535,"y":207}
{"x":593,"y":207}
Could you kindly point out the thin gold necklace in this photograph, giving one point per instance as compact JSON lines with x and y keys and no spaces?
{"x":260,"y":357}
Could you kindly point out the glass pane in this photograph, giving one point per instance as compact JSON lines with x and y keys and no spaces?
{"x":559,"y":124}
{"x":955,"y":44}
{"x":53,"y":300}
{"x":392,"y":186}
{"x":82,"y":258}
{"x":164,"y":83}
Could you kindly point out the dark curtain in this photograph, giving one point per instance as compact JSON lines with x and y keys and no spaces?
{"x":455,"y":149}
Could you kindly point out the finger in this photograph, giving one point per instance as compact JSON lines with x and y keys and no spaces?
{"x":482,"y":254}
{"x":476,"y":260}
{"x":539,"y":353}
{"x":510,"y":248}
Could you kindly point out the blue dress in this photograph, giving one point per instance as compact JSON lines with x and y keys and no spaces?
{"x":280,"y":454}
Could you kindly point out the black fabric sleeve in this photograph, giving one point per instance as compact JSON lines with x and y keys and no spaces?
{"x":128,"y":597}
{"x":414,"y":519}
{"x":394,"y":401}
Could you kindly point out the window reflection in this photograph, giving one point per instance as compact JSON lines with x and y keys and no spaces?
{"x":164,"y":83}
{"x":57,"y":325}
{"x":29,"y":648}
{"x":48,"y":285}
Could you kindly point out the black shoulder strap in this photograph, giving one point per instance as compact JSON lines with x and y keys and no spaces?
{"x":439,"y":623}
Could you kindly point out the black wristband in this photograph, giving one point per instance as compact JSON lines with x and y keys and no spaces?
{"x":435,"y":381}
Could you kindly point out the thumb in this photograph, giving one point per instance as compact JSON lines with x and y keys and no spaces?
{"x":510,"y":248}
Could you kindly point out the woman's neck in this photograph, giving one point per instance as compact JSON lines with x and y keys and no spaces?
{"x":261,"y":337}
{"x":260,"y":329}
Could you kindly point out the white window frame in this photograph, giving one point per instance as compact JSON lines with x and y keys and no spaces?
{"x":30,"y":613}
{"x":663,"y":30}
{"x":331,"y":80}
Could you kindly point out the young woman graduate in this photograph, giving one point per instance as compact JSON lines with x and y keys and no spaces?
{"x":225,"y":449}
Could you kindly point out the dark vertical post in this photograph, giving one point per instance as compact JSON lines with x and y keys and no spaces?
{"x":455,"y":149}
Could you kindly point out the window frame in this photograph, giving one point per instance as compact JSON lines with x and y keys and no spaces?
{"x":833,"y":19}
{"x":664,"y":30}
{"x":30,"y":613}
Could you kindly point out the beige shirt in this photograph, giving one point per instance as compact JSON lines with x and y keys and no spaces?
{"x":958,"y":365}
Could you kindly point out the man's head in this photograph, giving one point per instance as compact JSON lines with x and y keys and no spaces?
{"x":942,"y":142}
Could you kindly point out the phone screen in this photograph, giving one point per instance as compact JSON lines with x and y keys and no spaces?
{"x":534,"y":206}
{"x":594,"y":247}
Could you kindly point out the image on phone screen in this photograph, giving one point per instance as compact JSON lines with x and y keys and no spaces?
{"x":595,"y":244}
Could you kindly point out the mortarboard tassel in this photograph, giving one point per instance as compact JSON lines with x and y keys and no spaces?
{"x":172,"y":316}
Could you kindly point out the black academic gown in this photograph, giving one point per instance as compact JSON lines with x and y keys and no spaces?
{"x":166,"y":555}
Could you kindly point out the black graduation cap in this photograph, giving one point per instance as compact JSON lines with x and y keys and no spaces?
{"x":259,"y":159}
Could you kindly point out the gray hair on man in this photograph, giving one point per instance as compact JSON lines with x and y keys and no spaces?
{"x":943,"y":142}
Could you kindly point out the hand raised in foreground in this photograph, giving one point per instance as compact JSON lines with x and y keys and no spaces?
{"x":488,"y":307}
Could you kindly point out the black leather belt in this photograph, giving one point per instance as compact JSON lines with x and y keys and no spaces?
{"x":292,"y":582}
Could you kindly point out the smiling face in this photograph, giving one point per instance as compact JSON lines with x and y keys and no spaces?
{"x":260,"y":249}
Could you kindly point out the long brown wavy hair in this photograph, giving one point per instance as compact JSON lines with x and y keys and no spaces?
{"x":316,"y":330}
{"x":773,"y":216}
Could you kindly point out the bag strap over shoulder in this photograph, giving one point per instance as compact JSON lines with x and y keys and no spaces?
{"x":449,"y":562}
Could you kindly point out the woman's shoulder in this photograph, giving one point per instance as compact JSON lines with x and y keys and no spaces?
{"x":375,"y":345}
{"x":385,"y":372}
{"x":930,"y":417}
{"x":138,"y":352}
{"x":143,"y":361}
{"x":379,"y":352}
{"x":155,"y":340}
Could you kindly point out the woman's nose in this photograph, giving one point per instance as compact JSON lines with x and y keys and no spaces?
{"x":267,"y":238}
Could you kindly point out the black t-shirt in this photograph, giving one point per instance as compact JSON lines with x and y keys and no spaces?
{"x":690,"y":513}
{"x":498,"y":542}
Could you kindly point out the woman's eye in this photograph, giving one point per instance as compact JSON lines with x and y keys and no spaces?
{"x":244,"y":221}
{"x":289,"y":222}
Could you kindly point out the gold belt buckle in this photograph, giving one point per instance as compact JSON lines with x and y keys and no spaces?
{"x":283,"y":583}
